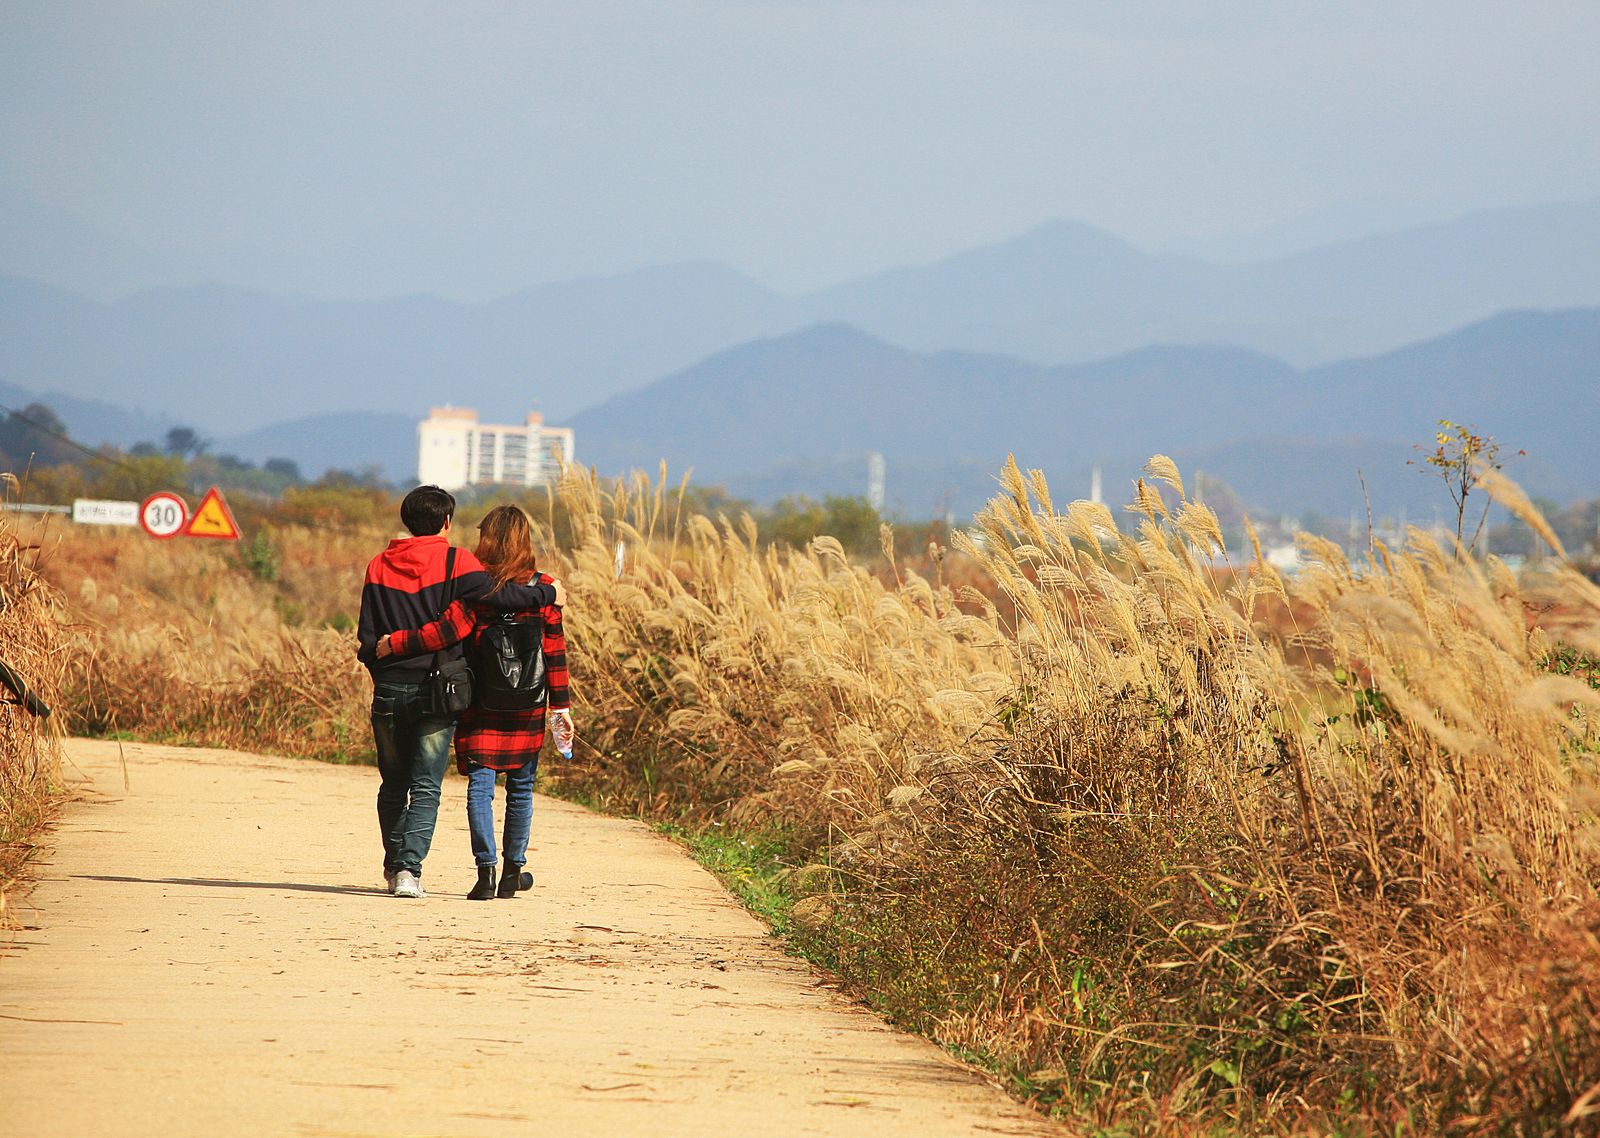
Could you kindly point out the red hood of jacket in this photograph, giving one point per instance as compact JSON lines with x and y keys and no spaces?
{"x":413,"y":563}
{"x":413,"y":557}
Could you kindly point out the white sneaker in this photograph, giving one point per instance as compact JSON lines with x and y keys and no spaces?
{"x":388,"y":880}
{"x":408,"y":884}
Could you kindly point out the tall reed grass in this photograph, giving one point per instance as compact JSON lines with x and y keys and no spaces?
{"x":244,"y":646}
{"x":1139,"y":847}
{"x":1173,"y":844}
{"x":31,"y":632}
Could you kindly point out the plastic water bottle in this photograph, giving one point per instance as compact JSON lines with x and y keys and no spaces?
{"x":562,"y":732}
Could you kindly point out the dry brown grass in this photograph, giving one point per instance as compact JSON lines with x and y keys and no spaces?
{"x":218,"y":644}
{"x":1173,"y":847}
{"x":31,"y":618}
{"x":1140,"y":849}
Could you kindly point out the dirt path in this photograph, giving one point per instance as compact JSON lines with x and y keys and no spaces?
{"x":209,"y":953}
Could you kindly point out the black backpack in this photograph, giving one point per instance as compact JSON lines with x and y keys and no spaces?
{"x":508,"y":664}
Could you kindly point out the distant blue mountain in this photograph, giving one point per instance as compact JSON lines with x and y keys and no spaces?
{"x":230,"y":360}
{"x":801,"y":412}
{"x":1067,"y":292}
{"x":348,"y":440}
{"x":352,"y":440}
{"x":91,"y":420}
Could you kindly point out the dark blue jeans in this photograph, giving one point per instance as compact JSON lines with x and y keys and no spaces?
{"x":519,"y":812}
{"x":413,"y":748}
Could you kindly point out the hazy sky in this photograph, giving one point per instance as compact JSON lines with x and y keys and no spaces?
{"x":357,"y":150}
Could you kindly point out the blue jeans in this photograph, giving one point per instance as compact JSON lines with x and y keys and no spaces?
{"x":519,"y":812}
{"x":412,"y":750}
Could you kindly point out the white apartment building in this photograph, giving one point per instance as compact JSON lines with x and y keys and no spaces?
{"x":455,"y":450}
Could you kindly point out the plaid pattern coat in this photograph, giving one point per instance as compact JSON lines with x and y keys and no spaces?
{"x":499,"y":740}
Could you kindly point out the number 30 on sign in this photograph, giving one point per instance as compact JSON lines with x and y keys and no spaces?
{"x":163,"y":515}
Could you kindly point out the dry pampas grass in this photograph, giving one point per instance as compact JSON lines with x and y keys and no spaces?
{"x":1175,"y":845}
{"x":32,"y":614}
{"x":1186,"y":861}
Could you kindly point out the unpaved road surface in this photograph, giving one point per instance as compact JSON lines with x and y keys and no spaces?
{"x":210,"y":952}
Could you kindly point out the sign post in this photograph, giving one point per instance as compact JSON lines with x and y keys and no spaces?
{"x":163,"y":515}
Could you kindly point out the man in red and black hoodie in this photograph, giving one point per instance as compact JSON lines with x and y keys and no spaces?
{"x":405,"y":588}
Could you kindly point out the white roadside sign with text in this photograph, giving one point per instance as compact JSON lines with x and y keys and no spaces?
{"x":98,"y":512}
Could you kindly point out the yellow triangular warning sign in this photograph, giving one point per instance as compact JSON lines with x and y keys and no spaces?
{"x":213,"y":518}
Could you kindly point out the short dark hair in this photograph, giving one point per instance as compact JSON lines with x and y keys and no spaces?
{"x":426,"y":509}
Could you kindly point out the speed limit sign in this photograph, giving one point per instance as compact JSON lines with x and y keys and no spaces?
{"x":163,"y":515}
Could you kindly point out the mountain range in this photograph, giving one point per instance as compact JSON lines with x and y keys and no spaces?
{"x":229,"y":361}
{"x":799,"y":413}
{"x":810,"y":406}
{"x":1067,"y":346}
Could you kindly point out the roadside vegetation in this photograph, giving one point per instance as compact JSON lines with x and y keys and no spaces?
{"x":31,"y":670}
{"x":1172,"y":846}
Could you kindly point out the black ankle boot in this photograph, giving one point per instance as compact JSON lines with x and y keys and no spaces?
{"x":513,"y":879}
{"x":484,"y":889}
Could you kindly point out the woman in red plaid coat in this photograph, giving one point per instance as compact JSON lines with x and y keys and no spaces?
{"x":489,"y":742}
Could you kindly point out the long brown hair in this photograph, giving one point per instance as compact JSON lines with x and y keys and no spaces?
{"x":505,"y":545}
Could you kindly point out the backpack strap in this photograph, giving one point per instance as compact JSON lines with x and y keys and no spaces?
{"x":449,"y":579}
{"x":449,"y":595}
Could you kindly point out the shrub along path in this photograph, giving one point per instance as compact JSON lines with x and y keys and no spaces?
{"x":208,"y":952}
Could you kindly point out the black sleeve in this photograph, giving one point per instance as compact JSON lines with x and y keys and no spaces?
{"x":472,"y":586}
{"x":513,"y":598}
{"x":510,"y":597}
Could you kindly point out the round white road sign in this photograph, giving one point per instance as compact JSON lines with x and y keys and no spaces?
{"x":163,"y":515}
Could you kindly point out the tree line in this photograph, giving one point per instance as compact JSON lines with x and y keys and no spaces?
{"x":37,"y":448}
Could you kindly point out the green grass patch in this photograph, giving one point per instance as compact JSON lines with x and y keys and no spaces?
{"x":753,"y":867}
